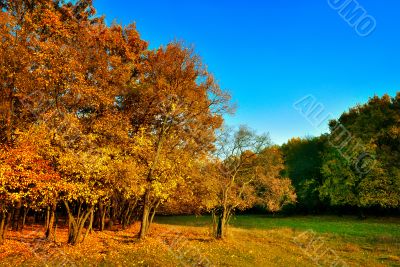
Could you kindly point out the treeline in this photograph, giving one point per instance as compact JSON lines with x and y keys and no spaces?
{"x":353,"y":169}
{"x":97,"y":129}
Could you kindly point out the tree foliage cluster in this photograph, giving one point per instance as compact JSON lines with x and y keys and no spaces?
{"x":98,"y":129}
{"x":356,"y":165}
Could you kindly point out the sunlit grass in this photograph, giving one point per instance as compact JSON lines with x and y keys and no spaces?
{"x":343,"y":226}
{"x":187,"y":241}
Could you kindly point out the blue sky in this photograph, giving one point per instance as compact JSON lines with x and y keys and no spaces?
{"x":269,"y":54}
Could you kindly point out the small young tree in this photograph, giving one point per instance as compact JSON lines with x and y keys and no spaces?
{"x":246,"y":171}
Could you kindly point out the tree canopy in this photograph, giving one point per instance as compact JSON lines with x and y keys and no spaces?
{"x":96,"y":127}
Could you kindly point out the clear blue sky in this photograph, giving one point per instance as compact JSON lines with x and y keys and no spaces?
{"x":269,"y":54}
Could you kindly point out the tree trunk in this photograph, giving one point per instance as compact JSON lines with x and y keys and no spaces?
{"x":50,"y":221}
{"x":145,"y":217}
{"x":26,"y":210}
{"x":81,"y":224}
{"x":144,"y":227}
{"x":47,"y":218}
{"x":72,"y":227}
{"x":75,"y":226}
{"x":129,"y":218}
{"x":222,"y":224}
{"x":361,"y":214}
{"x":72,"y":232}
{"x":214,"y":223}
{"x":103,"y":219}
{"x":153,"y":213}
{"x":16,"y":224}
{"x":125,"y":217}
{"x":90,"y":226}
{"x":100,"y":220}
{"x":5,"y":224}
{"x":97,"y":218}
{"x":91,"y":219}
{"x":2,"y":227}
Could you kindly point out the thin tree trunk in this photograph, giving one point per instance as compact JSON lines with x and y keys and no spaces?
{"x":50,"y":221}
{"x":97,"y":218}
{"x":361,"y":214}
{"x":147,"y":206}
{"x":47,"y":218}
{"x":214,"y":223}
{"x":103,"y":218}
{"x":131,"y":215}
{"x":71,"y":224}
{"x":16,"y":219}
{"x":75,"y":226}
{"x":89,"y":229}
{"x":125,"y":217}
{"x":129,"y":218}
{"x":26,"y":210}
{"x":2,"y":227}
{"x":6,"y":225}
{"x":91,"y":219}
{"x":81,"y":225}
{"x":154,"y":213}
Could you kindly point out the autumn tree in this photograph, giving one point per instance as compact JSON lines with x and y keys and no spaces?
{"x":27,"y":180}
{"x":174,"y":108}
{"x":38,"y":60}
{"x":273,"y":189}
{"x":195,"y":195}
{"x":15,"y":62}
{"x":64,"y":70}
{"x":246,"y":170}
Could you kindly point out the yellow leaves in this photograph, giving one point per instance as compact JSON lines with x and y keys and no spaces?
{"x":24,"y":175}
{"x":110,"y":117}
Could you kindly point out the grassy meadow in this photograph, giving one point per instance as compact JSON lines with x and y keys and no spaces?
{"x":253,"y":240}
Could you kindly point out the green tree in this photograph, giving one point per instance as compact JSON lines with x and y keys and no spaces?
{"x":361,"y":167}
{"x":303,"y":163}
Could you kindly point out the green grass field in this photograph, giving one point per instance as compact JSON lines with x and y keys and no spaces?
{"x":369,"y":242}
{"x":343,"y":226}
{"x":252,"y":241}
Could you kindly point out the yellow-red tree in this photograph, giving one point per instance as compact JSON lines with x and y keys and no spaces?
{"x":62,"y":72}
{"x":26,"y":180}
{"x":245,"y":171}
{"x":174,"y":109}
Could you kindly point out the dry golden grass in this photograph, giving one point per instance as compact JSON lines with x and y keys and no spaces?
{"x":193,"y":246}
